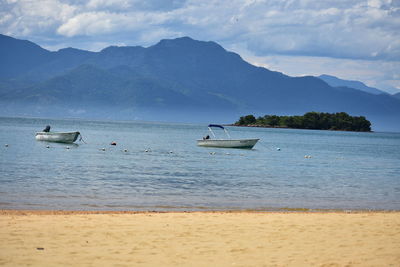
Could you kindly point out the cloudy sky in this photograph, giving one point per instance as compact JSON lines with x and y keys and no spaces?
{"x":351,"y":39}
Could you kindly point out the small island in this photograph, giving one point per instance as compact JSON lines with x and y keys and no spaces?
{"x":340,"y":121}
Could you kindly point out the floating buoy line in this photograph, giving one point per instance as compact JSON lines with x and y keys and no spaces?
{"x":148,"y":150}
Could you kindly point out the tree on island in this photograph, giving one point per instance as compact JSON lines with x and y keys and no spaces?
{"x":310,"y":120}
{"x":249,"y":119}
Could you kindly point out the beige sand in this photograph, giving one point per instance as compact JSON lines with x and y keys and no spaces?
{"x":199,"y":239}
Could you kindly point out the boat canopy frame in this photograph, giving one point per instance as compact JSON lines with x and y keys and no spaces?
{"x":210,"y":126}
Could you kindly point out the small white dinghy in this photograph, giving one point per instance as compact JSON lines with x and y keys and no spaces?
{"x":225,"y":143}
{"x":60,"y":137}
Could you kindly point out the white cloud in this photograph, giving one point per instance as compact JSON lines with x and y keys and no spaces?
{"x":134,"y":5}
{"x":114,"y":4}
{"x":353,"y":32}
{"x":27,"y":18}
{"x":103,"y":23}
{"x":92,"y":23}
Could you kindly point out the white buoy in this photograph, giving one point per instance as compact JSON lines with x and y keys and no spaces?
{"x":67,"y":147}
{"x":278,"y":149}
{"x":125,"y":150}
{"x":103,"y":149}
{"x":6,"y":145}
{"x":47,"y":146}
{"x":171,"y":152}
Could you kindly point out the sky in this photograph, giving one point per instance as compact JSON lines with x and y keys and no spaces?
{"x":350,"y":39}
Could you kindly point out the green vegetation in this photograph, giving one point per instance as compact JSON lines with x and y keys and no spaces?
{"x":311,"y":120}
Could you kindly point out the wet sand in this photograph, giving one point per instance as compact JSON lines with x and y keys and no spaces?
{"x":52,"y":238}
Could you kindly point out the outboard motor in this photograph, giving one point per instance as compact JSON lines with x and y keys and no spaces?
{"x":47,"y":129}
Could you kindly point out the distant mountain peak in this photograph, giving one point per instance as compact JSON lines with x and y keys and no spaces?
{"x":73,"y":51}
{"x":114,"y":48}
{"x":187,"y":42}
{"x":19,"y":56}
{"x":8,"y":41}
{"x":6,"y":37}
{"x":67,"y":49}
{"x":181,"y":40}
{"x":337,"y":82}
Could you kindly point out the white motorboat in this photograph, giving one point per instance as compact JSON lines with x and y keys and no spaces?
{"x":60,"y":137}
{"x":225,"y":143}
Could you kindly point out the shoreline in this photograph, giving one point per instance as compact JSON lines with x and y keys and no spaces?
{"x":201,"y":238}
{"x":239,"y":211}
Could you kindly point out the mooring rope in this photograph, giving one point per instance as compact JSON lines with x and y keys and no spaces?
{"x":267,"y":147}
{"x":81,"y":138}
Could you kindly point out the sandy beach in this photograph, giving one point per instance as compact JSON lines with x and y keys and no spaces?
{"x":53,"y":238}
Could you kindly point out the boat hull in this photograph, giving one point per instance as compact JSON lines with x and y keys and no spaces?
{"x":228,"y":143}
{"x":65,"y":137}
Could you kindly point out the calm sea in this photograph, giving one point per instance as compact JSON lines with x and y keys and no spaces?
{"x":342,"y":170}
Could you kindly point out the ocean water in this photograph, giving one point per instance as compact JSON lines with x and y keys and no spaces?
{"x":342,"y":170}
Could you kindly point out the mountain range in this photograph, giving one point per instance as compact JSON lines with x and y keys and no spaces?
{"x":182,"y":80}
